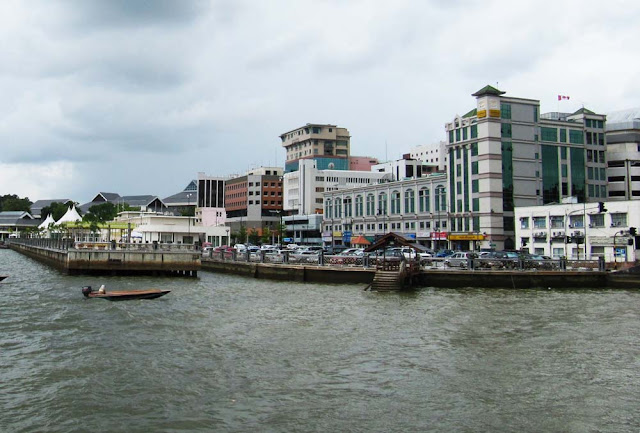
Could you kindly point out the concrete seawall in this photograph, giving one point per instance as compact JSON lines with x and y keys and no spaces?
{"x":300,"y":273}
{"x":147,"y":262}
{"x":432,"y":278}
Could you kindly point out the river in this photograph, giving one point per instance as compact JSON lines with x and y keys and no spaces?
{"x":232,"y":354}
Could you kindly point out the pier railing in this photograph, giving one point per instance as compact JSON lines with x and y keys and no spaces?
{"x":435,"y":263}
{"x":70,"y":244}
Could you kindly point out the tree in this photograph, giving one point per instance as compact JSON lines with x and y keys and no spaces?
{"x":254,"y":237}
{"x":101,"y":213}
{"x":266,"y":235}
{"x":11,"y":202}
{"x":56,"y":209}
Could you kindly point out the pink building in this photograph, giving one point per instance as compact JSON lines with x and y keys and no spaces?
{"x":362,"y":163}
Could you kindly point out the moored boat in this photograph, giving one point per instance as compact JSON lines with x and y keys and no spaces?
{"x":123,"y":295}
{"x":2,"y":277}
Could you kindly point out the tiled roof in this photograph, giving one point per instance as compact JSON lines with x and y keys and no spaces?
{"x":488,"y":90}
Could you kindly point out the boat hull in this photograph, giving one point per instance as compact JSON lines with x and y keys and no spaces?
{"x":2,"y":277}
{"x":129,"y":295}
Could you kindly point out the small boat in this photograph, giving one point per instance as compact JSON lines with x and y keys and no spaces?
{"x":123,"y":295}
{"x":2,"y":277}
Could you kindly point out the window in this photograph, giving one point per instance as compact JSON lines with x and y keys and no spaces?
{"x":563,"y":152}
{"x":505,"y":130}
{"x":618,"y":220}
{"x":382,"y":203}
{"x":348,"y":209}
{"x":451,"y":136}
{"x":564,"y":170}
{"x":464,"y":133}
{"x":409,"y":201}
{"x":505,"y":111}
{"x":370,"y":205}
{"x":576,"y":137}
{"x":359,"y":206}
{"x":474,"y":149}
{"x":440,"y":199}
{"x":475,"y":185}
{"x":524,"y":222}
{"x":548,"y":134}
{"x":338,"y":208}
{"x":539,"y":222}
{"x":475,"y":205}
{"x":563,"y":135}
{"x":458,"y":134}
{"x":423,"y":200}
{"x":556,"y":221}
{"x":596,"y":220}
{"x":395,"y":202}
{"x":474,"y":131}
{"x":474,"y":167}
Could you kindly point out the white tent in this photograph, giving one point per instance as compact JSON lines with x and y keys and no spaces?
{"x":45,"y":224}
{"x":72,"y":215}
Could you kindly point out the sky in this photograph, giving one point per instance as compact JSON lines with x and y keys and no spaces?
{"x":137,"y":97}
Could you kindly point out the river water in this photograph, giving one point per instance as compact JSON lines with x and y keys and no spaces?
{"x":231,"y":354}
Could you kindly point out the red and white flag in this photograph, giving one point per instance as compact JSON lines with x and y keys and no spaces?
{"x":561,"y":97}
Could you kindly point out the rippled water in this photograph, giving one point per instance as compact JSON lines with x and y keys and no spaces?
{"x":230,"y":354}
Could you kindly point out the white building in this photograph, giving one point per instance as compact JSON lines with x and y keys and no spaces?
{"x":432,"y":154}
{"x":173,"y":229}
{"x":304,"y":188}
{"x":563,"y":230}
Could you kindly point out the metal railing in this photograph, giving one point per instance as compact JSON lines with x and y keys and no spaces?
{"x":70,"y":244}
{"x":434,"y":263}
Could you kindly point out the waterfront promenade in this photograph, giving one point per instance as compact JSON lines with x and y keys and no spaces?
{"x":434,"y":273}
{"x":112,"y":258}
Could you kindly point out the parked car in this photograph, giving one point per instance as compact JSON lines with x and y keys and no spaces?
{"x":499,"y":259}
{"x":459,"y":259}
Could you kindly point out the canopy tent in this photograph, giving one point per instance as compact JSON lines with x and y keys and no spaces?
{"x":360,"y":240}
{"x":72,"y":215}
{"x":48,"y":220}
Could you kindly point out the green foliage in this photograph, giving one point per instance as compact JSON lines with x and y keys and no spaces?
{"x":187,"y":211}
{"x":266,"y":235}
{"x":57,"y":210}
{"x":11,"y":202}
{"x":254,"y":237}
{"x":241,"y":236}
{"x":101,"y":213}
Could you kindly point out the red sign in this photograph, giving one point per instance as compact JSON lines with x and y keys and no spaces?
{"x":439,"y":235}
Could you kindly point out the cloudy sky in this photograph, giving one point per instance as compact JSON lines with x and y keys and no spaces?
{"x":137,"y":97}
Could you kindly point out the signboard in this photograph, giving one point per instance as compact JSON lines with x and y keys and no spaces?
{"x":466,"y":237}
{"x":439,"y":235}
{"x":287,"y":240}
{"x":482,"y":114}
{"x":494,"y":113}
{"x":346,"y":236}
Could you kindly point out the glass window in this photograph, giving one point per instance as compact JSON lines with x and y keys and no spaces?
{"x":505,"y":130}
{"x":338,"y":209}
{"x":618,"y":220}
{"x":505,"y":111}
{"x":474,"y":131}
{"x":474,"y":167}
{"x":451,"y":136}
{"x":458,"y":134}
{"x":475,"y":185}
{"x":549,"y":134}
{"x":370,"y":205}
{"x":539,"y":222}
{"x":464,"y":133}
{"x":395,"y":202}
{"x":423,"y":198}
{"x":441,"y":199}
{"x":524,"y":222}
{"x":563,"y":135}
{"x":596,"y":220}
{"x":359,"y":205}
{"x":564,"y":170}
{"x":409,"y":201}
{"x":563,"y":152}
{"x":474,"y":149}
{"x":576,"y":137}
{"x":475,"y":205}
{"x":382,"y":203}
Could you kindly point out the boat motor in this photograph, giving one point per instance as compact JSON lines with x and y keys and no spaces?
{"x":86,"y":290}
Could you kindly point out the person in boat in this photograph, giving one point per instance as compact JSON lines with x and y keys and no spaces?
{"x":102,"y":290}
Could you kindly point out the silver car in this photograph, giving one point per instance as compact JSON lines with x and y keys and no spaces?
{"x":459,"y":259}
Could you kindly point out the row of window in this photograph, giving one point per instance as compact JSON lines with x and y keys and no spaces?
{"x":339,"y":208}
{"x":572,"y":221}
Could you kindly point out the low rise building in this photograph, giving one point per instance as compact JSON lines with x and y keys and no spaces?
{"x":581,"y":230}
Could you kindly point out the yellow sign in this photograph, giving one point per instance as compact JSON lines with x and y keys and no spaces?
{"x":466,"y":237}
{"x":337,"y":234}
{"x":494,"y":113}
{"x":481,"y":114}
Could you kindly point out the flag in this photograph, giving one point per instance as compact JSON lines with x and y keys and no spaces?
{"x":561,"y":97}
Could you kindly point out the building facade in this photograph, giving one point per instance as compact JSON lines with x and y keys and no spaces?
{"x":503,"y":154}
{"x":416,"y":208}
{"x":254,"y":201}
{"x":623,"y":154}
{"x":431,"y":154}
{"x":329,"y":145}
{"x":581,"y":230}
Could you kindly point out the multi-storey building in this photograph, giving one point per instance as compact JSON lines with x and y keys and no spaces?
{"x":581,"y":230}
{"x":432,"y":154}
{"x":210,"y":210}
{"x":503,"y":154}
{"x":254,"y":201}
{"x":623,"y":154}
{"x":415,"y":208}
{"x":405,"y":168}
{"x":329,"y":145}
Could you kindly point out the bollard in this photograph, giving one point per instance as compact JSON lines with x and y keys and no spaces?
{"x":321,"y":258}
{"x":286,"y":257}
{"x":601,"y":264}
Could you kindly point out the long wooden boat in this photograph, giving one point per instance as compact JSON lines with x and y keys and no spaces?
{"x":124,"y":295}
